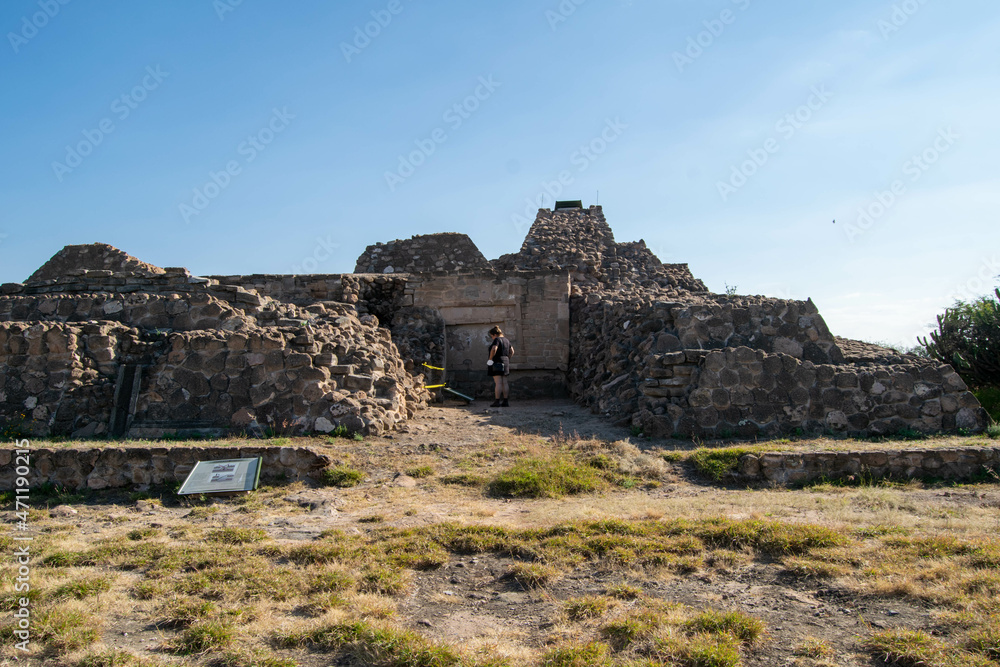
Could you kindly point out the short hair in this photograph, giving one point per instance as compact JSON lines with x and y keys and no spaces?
{"x":496,"y":331}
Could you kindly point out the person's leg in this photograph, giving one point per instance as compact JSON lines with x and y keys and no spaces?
{"x":497,"y":390}
{"x":506,"y":392}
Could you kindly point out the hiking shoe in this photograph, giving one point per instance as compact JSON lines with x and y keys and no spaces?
{"x":505,"y":404}
{"x":495,"y":404}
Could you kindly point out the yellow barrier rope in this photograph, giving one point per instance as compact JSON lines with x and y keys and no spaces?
{"x":433,"y":367}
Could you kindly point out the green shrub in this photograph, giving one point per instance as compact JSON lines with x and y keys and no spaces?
{"x":989,"y":398}
{"x":342,"y":476}
{"x":968,"y":338}
{"x":545,"y":478}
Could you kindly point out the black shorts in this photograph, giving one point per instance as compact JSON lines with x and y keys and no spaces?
{"x":501,"y":367}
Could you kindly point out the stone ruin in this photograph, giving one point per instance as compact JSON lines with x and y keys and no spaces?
{"x":98,"y":343}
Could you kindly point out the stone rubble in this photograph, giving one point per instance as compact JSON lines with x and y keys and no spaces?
{"x":642,"y":342}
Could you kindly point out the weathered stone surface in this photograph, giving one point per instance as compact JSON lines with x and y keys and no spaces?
{"x":632,"y":338}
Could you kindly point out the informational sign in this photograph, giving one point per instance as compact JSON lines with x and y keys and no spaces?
{"x":227,"y":476}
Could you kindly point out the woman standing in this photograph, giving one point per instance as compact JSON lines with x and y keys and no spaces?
{"x":498,"y":366}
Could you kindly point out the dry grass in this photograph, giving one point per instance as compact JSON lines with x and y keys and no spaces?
{"x":227,"y":583}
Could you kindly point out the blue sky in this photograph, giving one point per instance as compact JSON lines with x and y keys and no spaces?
{"x":265,"y":137}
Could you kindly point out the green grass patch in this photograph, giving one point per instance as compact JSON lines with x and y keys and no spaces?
{"x":118,"y":658}
{"x":907,"y":648}
{"x":464,"y":479}
{"x":251,"y":658}
{"x":545,"y":478}
{"x":533,"y":575}
{"x":204,"y":638}
{"x":66,"y":630}
{"x":237,"y":535}
{"x":589,"y":606}
{"x":138,"y":534}
{"x":717,"y":464}
{"x":624,"y":592}
{"x":342,"y":477}
{"x":373,"y":645}
{"x":420,"y":472}
{"x":594,"y":654}
{"x":82,"y":588}
{"x":184,"y":611}
{"x":703,"y":650}
{"x":746,"y":628}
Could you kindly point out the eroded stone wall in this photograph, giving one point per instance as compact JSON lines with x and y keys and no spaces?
{"x":208,"y":354}
{"x":60,"y":378}
{"x":121,"y":467}
{"x":745,"y":392}
{"x":423,"y":254}
{"x":795,"y":468}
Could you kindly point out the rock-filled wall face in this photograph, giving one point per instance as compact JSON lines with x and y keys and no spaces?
{"x":378,"y":295}
{"x":59,"y":378}
{"x":97,"y":336}
{"x":181,"y":312}
{"x":423,"y":254}
{"x":745,"y":392}
{"x":342,"y":373}
{"x":174,"y":351}
{"x":118,"y":467}
{"x":748,"y":366}
{"x":74,"y":259}
{"x":580,"y":241}
{"x":614,"y":336}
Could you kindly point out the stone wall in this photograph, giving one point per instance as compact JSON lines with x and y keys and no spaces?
{"x":745,"y":392}
{"x":532,"y":308}
{"x":60,"y":378}
{"x":635,"y":339}
{"x":615,"y":339}
{"x":580,"y":241}
{"x":63,"y":377}
{"x":74,"y":259}
{"x":793,"y":468}
{"x":121,"y":467}
{"x":151,"y":352}
{"x":423,"y":254}
{"x":379,"y":295}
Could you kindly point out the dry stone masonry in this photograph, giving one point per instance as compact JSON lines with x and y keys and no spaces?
{"x":118,"y":467}
{"x":99,"y":343}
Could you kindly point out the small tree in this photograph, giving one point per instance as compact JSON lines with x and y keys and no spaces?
{"x":968,"y":338}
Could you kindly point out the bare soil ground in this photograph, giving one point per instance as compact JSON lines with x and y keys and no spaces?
{"x":125,"y":579}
